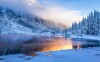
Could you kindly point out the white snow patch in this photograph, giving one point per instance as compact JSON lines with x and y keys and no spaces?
{"x":82,"y":55}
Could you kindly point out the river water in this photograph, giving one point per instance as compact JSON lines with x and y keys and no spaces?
{"x":60,"y":43}
{"x":42,"y":44}
{"x":65,"y":44}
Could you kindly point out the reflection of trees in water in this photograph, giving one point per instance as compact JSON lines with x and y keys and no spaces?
{"x":25,"y":48}
{"x":34,"y":45}
{"x":85,"y":46}
{"x":22,"y":48}
{"x":40,"y":44}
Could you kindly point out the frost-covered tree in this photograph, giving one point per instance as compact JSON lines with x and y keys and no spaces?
{"x":89,"y":25}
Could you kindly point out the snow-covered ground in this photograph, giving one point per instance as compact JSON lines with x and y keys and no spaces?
{"x":87,"y":37}
{"x":81,"y":55}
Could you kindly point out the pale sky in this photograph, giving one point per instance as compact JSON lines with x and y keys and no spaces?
{"x":60,"y":11}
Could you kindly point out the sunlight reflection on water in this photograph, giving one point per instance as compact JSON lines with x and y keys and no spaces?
{"x":59,"y":44}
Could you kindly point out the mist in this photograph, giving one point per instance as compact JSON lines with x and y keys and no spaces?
{"x":53,"y":13}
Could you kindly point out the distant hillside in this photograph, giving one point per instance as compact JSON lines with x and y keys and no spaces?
{"x":13,"y":22}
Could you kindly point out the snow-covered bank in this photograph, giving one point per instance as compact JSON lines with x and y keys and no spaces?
{"x":87,"y":37}
{"x":81,"y":55}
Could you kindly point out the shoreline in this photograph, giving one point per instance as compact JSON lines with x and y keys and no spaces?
{"x":87,"y":37}
{"x":81,"y":55}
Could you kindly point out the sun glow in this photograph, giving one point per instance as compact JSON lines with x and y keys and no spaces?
{"x":58,"y":44}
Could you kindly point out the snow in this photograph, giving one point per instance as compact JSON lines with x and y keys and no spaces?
{"x":81,"y":55}
{"x":13,"y":22}
{"x":87,"y":37}
{"x":89,"y":25}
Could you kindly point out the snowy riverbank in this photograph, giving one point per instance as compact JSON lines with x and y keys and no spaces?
{"x":81,"y":55}
{"x":87,"y":37}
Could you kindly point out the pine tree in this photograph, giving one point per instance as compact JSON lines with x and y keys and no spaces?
{"x":89,"y":25}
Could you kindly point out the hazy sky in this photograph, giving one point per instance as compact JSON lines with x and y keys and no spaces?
{"x":60,"y":11}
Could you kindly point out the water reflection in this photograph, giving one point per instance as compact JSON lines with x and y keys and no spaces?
{"x":65,"y":44}
{"x":60,"y":44}
{"x":46,"y":44}
{"x":57,"y":44}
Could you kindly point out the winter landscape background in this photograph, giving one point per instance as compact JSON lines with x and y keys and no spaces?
{"x":49,"y":31}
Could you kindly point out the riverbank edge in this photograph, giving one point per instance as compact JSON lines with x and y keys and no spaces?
{"x":87,"y":37}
